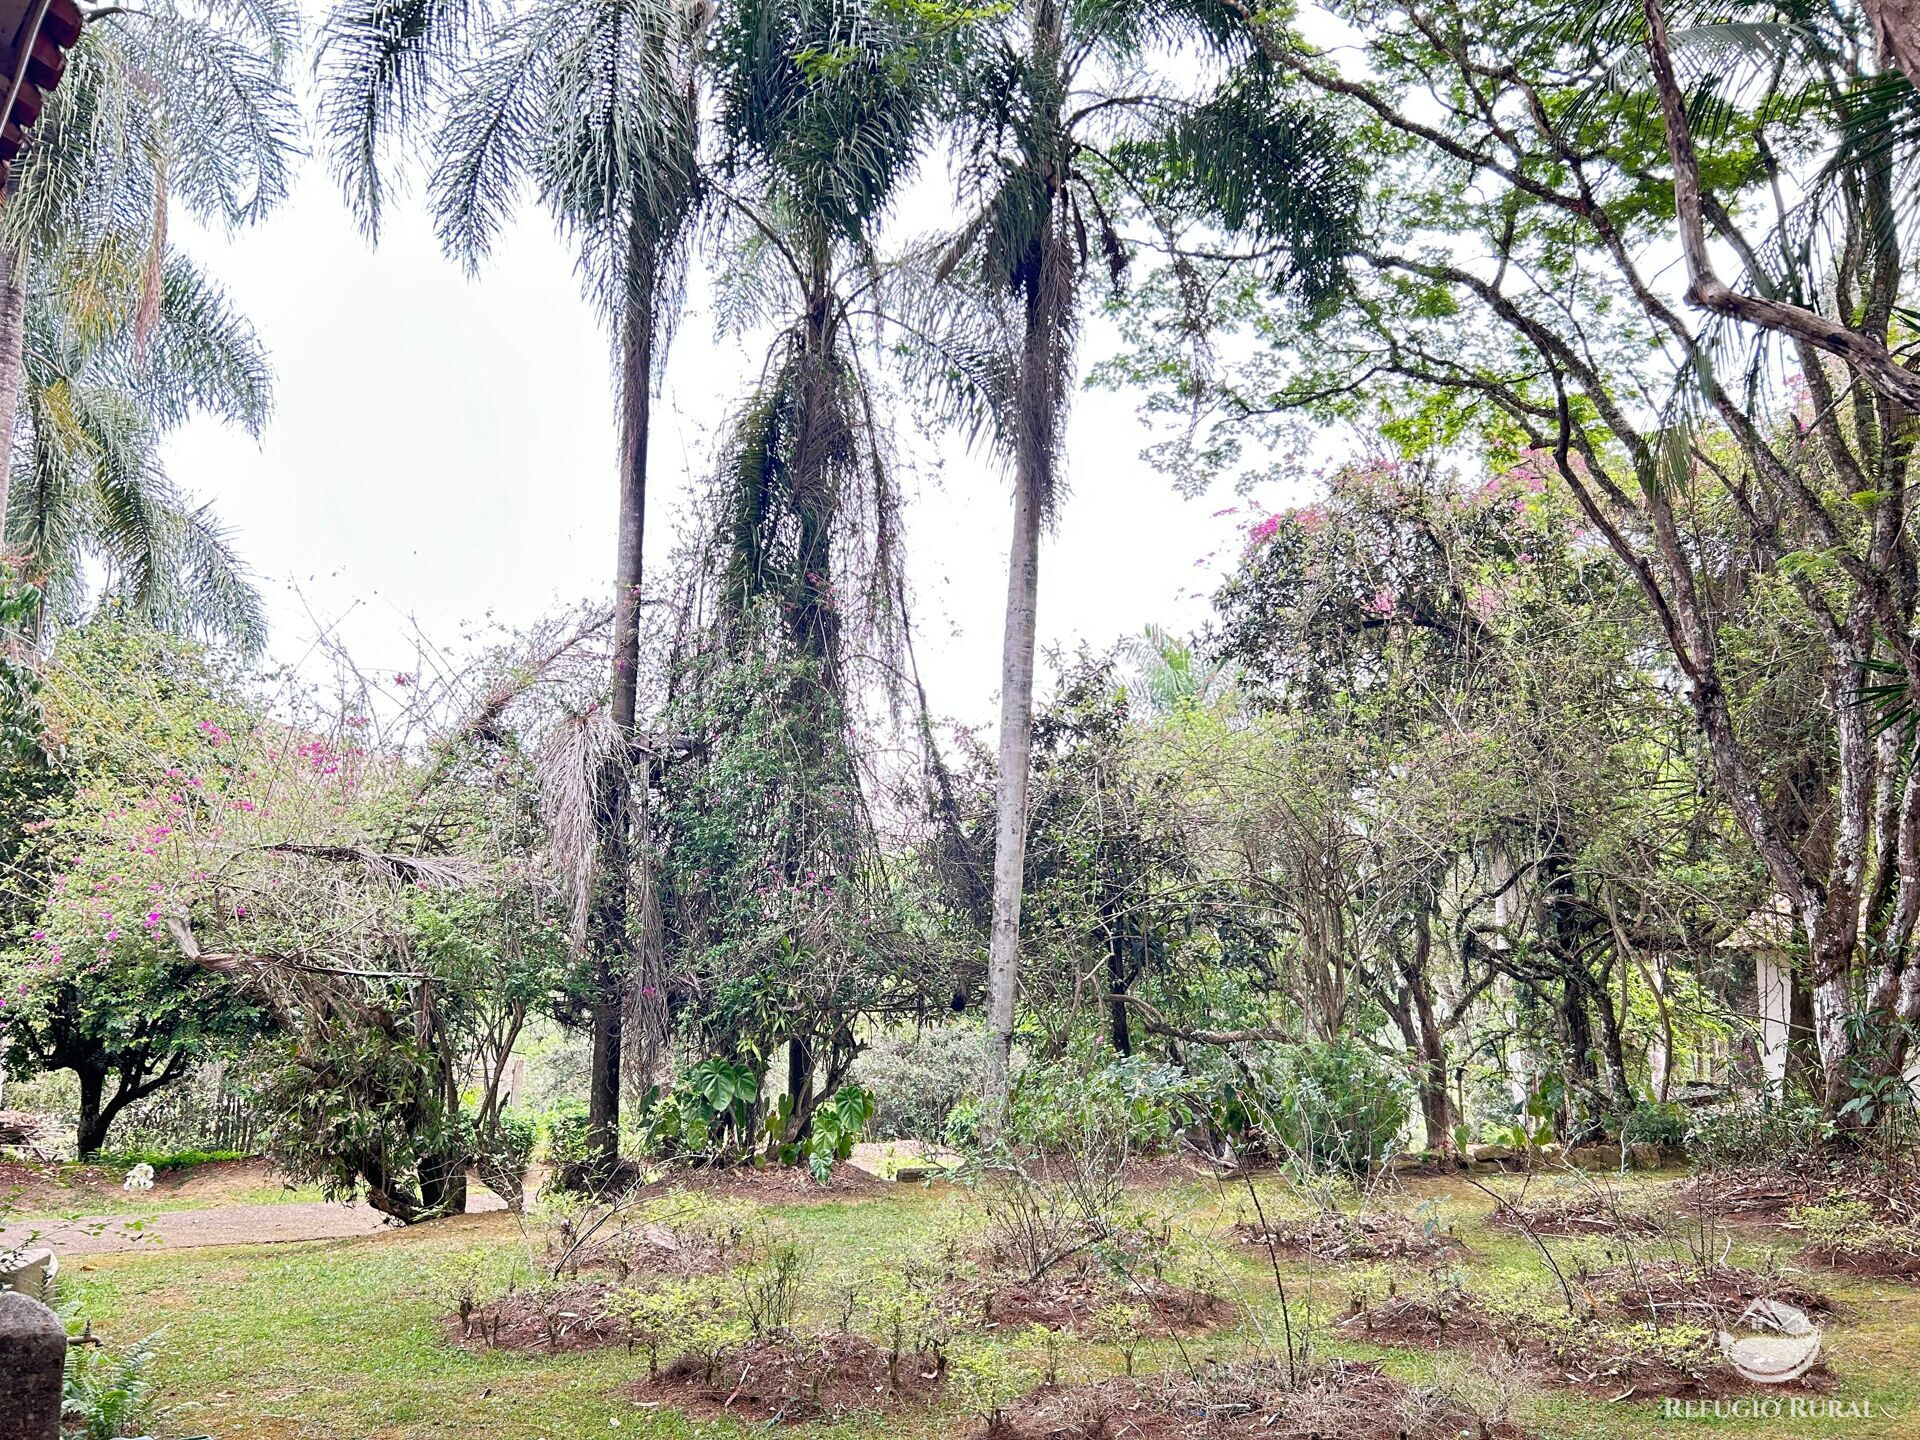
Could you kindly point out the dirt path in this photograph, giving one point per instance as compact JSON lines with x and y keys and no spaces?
{"x":222,"y":1225}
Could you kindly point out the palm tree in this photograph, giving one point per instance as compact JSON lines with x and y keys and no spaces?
{"x":102,"y":385}
{"x":174,"y":101}
{"x":1071,"y":110}
{"x":591,"y":105}
{"x":823,"y":107}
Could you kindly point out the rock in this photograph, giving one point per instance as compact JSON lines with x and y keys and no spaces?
{"x":27,"y":1271}
{"x":1486,"y":1153}
{"x":1646,"y":1157}
{"x":33,"y":1351}
{"x":1594,"y":1157}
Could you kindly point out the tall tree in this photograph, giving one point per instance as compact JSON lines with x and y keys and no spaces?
{"x":593,"y":106}
{"x":823,"y":107}
{"x":1070,"y":112}
{"x":179,"y":102}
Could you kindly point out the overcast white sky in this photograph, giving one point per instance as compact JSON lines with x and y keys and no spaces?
{"x":442,"y":451}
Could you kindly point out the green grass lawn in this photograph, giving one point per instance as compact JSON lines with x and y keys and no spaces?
{"x":341,"y":1340}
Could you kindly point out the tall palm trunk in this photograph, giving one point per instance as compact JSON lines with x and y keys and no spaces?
{"x":13,"y":317}
{"x":1016,"y":754}
{"x":608,"y":937}
{"x":1048,"y":281}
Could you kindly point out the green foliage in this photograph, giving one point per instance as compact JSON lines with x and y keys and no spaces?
{"x":655,"y":1318}
{"x":108,"y":1396}
{"x":162,"y":1160}
{"x":917,"y":1078}
{"x":1337,"y":1105}
{"x":771,"y":1284}
{"x":706,"y":1111}
{"x":1651,"y":1123}
{"x":1788,"y":1134}
{"x":838,"y":1121}
{"x":1143,"y":1100}
{"x":563,"y":1132}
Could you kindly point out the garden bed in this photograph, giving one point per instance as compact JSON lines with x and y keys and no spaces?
{"x":1072,"y":1301}
{"x":1335,"y":1400}
{"x":549,"y":1321}
{"x":1580,"y":1214}
{"x":1335,"y":1236}
{"x":776,"y":1184}
{"x":788,"y":1379}
{"x":1651,"y":1331}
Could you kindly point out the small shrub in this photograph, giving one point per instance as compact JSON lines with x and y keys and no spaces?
{"x":502,"y":1152}
{"x":1121,"y":1325}
{"x":108,"y":1396}
{"x":652,"y":1320}
{"x":903,"y":1306}
{"x":920,"y":1078}
{"x":1779,"y":1135}
{"x":461,"y":1285}
{"x":1653,"y":1123}
{"x":770,"y":1286}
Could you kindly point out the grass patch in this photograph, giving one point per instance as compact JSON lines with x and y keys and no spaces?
{"x":321,"y":1340}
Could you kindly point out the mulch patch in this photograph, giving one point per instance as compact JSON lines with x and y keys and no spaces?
{"x":648,"y":1250}
{"x":1598,"y":1357}
{"x":1685,"y":1295}
{"x":541,"y":1322}
{"x":1071,"y":1300}
{"x":1870,"y":1262}
{"x":1751,"y":1195}
{"x":1336,"y":1400}
{"x":1570,"y":1217}
{"x":795,"y":1378}
{"x":1334,"y":1235}
{"x":776,"y":1184}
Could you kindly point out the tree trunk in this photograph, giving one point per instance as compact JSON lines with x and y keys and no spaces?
{"x":13,"y":314}
{"x":1016,"y":754}
{"x":799,"y":1090}
{"x":1121,"y":1032}
{"x":1896,"y":25}
{"x":1430,"y":1045}
{"x":609,"y":937}
{"x":1619,"y":1087}
{"x":92,"y":1128}
{"x":1583,"y":1074}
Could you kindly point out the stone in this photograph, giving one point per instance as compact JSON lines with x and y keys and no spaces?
{"x":1481,"y":1154}
{"x":28,"y":1271}
{"x":1646,"y":1157}
{"x":33,"y":1351}
{"x":1594,"y":1157}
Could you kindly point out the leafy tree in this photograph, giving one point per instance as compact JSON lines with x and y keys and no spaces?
{"x":1512,"y":296}
{"x":775,"y":873}
{"x":98,"y":986}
